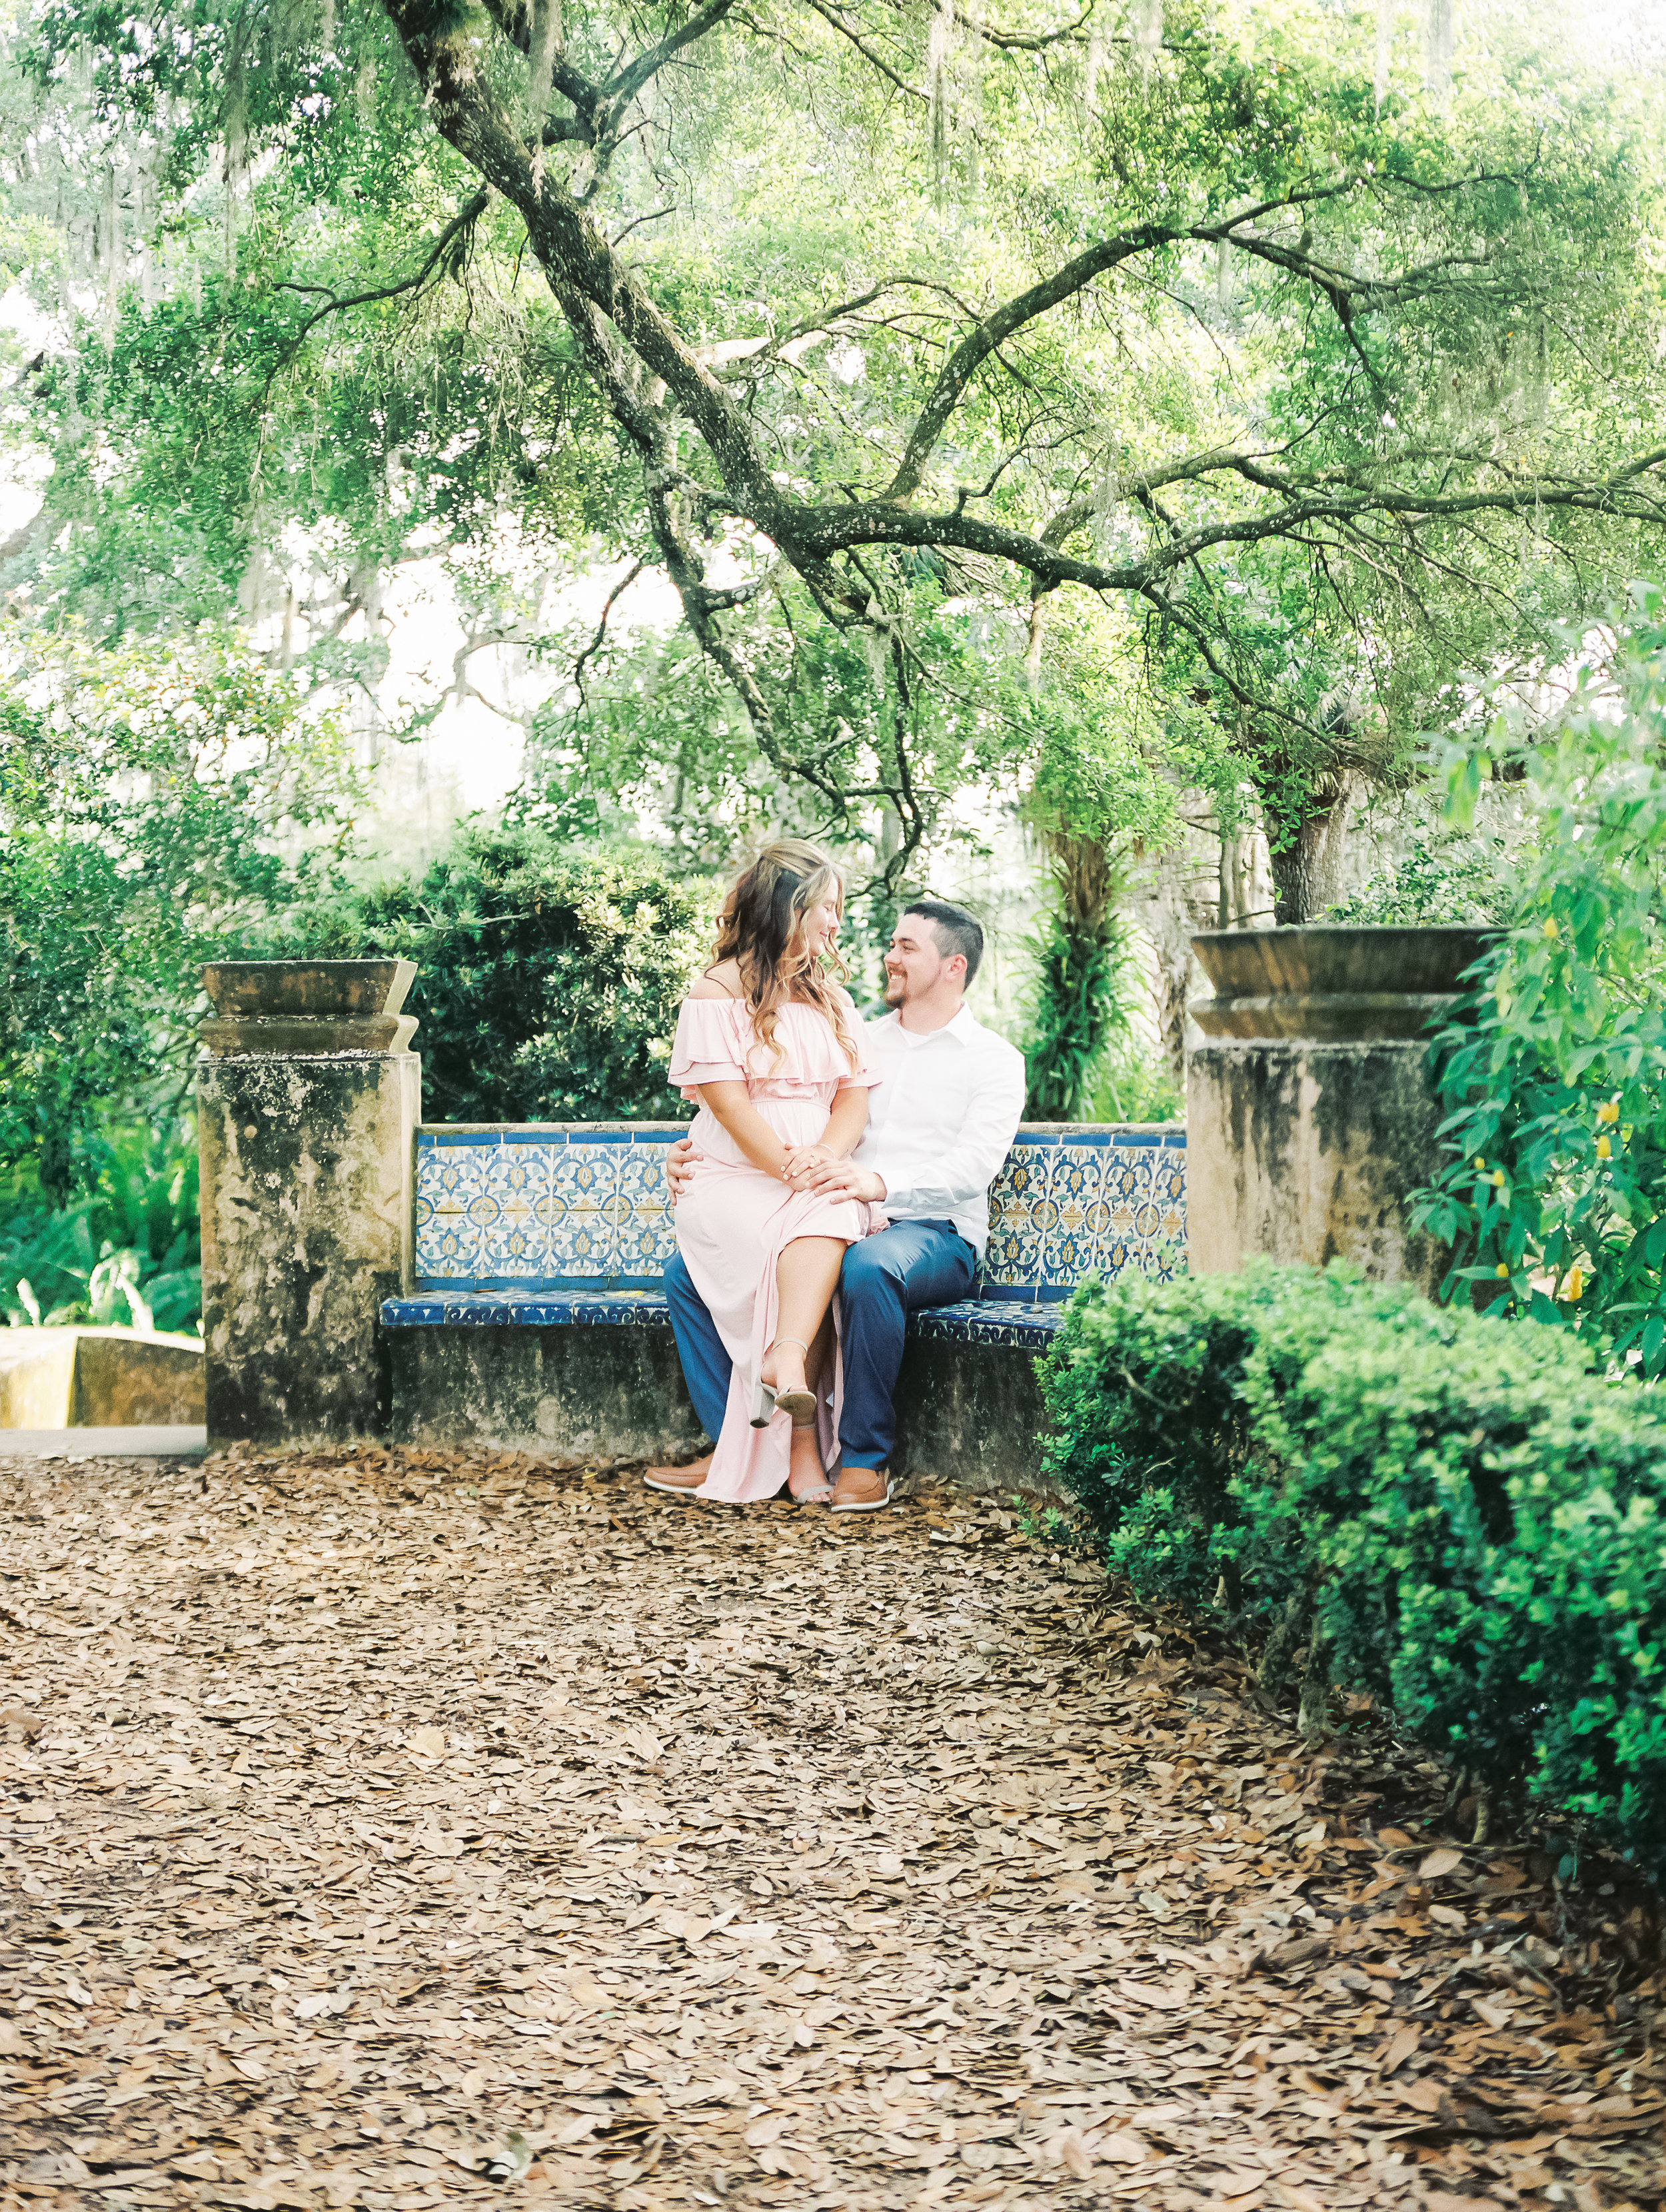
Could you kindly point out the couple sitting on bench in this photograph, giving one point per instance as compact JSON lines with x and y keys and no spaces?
{"x":835,"y":1178}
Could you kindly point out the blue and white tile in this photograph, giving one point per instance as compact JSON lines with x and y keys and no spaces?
{"x":1071,"y":1248}
{"x":538,"y":1208}
{"x":645,"y":1247}
{"x":640,"y":1175}
{"x":1016,"y":1205}
{"x":585,"y":1174}
{"x":524,"y":1171}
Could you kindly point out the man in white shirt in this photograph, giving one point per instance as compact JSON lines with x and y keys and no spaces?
{"x":939,"y":1125}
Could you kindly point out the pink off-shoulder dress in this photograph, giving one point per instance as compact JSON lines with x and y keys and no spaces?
{"x":733,"y":1220}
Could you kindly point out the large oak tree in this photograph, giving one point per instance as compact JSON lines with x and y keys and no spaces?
{"x":1327,"y":380}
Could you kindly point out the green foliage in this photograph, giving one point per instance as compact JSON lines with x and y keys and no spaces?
{"x":1134,"y":1083}
{"x":1046,"y":1524}
{"x":155,"y":804}
{"x":130,"y":1253}
{"x":1555,"y":1078}
{"x":548,"y":978}
{"x":1465,"y":1519}
{"x":653,"y":732}
{"x":1441,"y":878}
{"x":1102,"y":803}
{"x":1079,"y":975}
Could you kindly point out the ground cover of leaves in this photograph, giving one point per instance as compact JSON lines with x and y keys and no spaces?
{"x":388,"y":1828}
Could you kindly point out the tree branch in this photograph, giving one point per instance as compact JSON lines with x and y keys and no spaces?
{"x":980,"y":343}
{"x":1028,"y":42}
{"x":595,"y":644}
{"x":624,"y":85}
{"x":836,"y":17}
{"x":464,"y":220}
{"x":660,"y":392}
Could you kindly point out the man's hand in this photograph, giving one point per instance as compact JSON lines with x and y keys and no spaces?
{"x":844,"y":1179}
{"x":681,"y":1162}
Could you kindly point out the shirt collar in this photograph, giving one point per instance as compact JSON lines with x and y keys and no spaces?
{"x":961,"y":1028}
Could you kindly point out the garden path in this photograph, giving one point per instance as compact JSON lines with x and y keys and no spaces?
{"x":377,"y":1823}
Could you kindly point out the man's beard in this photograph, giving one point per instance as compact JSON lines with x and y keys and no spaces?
{"x":896,"y":989}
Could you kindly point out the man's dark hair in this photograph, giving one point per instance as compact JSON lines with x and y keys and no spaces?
{"x":957,"y":932}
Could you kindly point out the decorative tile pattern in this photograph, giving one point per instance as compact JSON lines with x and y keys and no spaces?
{"x":576,"y":1206}
{"x":559,"y":1222}
{"x":1085,"y":1202}
{"x":989,"y":1320}
{"x":527,"y":1309}
{"x":974,"y":1321}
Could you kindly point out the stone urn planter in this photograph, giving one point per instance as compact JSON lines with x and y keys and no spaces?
{"x":1311,"y":1114}
{"x":298,"y":1007}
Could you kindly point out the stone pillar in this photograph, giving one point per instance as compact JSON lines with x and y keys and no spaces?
{"x":1309,"y":1111}
{"x":307,"y":1102}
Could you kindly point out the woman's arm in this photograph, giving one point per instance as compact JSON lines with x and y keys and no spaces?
{"x":732,"y":1106}
{"x":843,"y":1133}
{"x":846,"y":1122}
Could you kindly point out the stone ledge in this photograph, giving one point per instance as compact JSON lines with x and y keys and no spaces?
{"x":51,"y":1378}
{"x":185,"y":1441}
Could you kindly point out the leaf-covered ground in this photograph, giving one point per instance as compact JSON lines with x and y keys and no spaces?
{"x":379,"y":1823}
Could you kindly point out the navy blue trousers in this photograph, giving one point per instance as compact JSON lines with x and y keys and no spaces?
{"x":885,"y":1279}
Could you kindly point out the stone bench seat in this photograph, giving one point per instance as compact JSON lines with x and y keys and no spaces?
{"x":536,"y":1316}
{"x":973,"y":1321}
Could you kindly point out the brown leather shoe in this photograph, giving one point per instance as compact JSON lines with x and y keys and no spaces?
{"x":678,"y":1480}
{"x":863,"y":1490}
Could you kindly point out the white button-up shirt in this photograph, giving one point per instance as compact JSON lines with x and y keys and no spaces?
{"x":942,"y":1121}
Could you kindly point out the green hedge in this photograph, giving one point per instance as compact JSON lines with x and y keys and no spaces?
{"x":548,"y":974}
{"x":1457,"y":1513}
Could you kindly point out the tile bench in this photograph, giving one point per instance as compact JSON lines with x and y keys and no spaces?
{"x":535,"y":1316}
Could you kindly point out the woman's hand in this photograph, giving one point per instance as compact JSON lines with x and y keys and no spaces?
{"x":803,"y":1161}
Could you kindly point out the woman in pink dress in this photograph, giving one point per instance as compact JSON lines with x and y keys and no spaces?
{"x":772,"y":1050}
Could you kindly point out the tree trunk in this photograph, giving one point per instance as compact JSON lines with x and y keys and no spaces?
{"x":1307,"y":873}
{"x":1164,"y":916}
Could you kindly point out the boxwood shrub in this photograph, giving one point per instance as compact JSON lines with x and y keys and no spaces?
{"x":1454,"y":1512}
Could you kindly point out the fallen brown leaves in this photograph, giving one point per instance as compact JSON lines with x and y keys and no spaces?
{"x":395,"y":1829}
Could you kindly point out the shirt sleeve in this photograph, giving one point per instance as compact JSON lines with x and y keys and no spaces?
{"x":707,"y":1048}
{"x":967,"y":1167}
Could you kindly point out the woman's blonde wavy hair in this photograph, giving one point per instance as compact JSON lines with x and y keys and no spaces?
{"x":761,"y":929}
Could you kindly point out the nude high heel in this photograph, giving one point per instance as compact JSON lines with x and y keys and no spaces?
{"x":799,"y":1405}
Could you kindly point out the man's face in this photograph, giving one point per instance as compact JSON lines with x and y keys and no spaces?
{"x":915,"y":961}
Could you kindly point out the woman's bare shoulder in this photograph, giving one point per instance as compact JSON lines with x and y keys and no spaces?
{"x":722,"y":982}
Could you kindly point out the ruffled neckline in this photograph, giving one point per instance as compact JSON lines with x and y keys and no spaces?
{"x":710,"y":1031}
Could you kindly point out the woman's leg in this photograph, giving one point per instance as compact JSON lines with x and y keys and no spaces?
{"x":806,"y":1477}
{"x":806,"y":1276}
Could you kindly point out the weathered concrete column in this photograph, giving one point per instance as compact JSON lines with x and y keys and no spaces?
{"x":1310,"y":1111}
{"x":307,"y":1101}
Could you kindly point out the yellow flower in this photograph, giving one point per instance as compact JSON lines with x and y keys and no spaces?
{"x":1608,"y":1110}
{"x":1503,"y":1273}
{"x":1481,"y":1165}
{"x":1500,"y":1178}
{"x":1604,"y":1149}
{"x":1551,"y":929}
{"x":1575,"y":1283}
